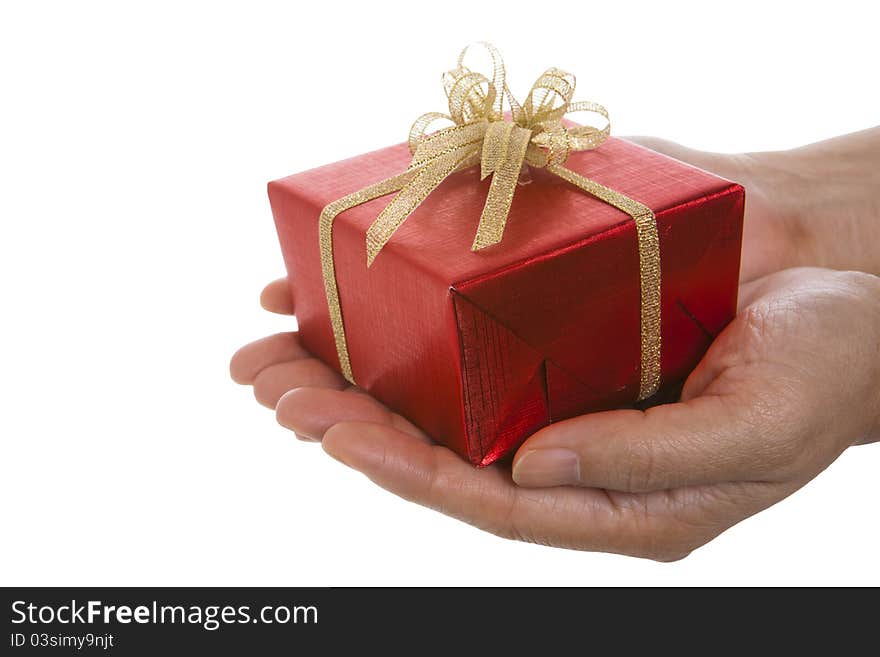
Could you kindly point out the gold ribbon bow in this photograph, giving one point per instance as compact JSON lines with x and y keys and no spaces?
{"x":481,"y":134}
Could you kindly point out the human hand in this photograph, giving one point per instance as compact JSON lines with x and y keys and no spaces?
{"x":818,"y":205}
{"x":789,"y":385}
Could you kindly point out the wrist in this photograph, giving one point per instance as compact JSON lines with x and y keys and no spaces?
{"x":824,"y":200}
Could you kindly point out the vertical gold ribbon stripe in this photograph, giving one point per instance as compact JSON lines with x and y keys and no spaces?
{"x":649,"y":271}
{"x":328,"y":268}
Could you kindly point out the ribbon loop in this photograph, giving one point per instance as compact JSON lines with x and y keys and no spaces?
{"x":470,"y":95}
{"x":498,"y":74}
{"x":549,"y":97}
{"x":420,"y":126}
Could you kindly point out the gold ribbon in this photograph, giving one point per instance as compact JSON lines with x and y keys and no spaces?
{"x":480,"y":134}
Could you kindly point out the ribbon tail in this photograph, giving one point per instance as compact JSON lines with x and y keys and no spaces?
{"x":504,"y":149}
{"x":328,"y":269}
{"x":649,"y":269}
{"x":423,"y":181}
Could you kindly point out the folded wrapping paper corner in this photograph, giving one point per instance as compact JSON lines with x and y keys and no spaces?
{"x":535,"y":136}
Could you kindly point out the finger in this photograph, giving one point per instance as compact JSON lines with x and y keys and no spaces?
{"x":257,"y":356}
{"x":435,"y":477}
{"x":272,"y":382}
{"x":277,"y":297}
{"x":310,"y":412}
{"x":664,"y":525}
{"x":702,"y":441}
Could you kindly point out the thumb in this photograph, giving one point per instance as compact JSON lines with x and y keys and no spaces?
{"x":705,"y":440}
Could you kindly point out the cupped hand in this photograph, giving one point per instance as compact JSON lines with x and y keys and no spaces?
{"x":788,"y":385}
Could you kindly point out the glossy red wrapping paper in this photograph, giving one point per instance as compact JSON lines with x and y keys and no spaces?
{"x":480,"y":349}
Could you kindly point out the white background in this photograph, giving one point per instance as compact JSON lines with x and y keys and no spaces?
{"x":135,"y":146}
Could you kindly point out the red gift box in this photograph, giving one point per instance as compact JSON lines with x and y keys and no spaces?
{"x":480,"y":349}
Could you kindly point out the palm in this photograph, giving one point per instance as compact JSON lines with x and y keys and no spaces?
{"x":317,"y":403}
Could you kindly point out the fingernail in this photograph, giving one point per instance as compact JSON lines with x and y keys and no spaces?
{"x":547,"y":467}
{"x":290,"y":423}
{"x":298,"y":431}
{"x":287,"y":416}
